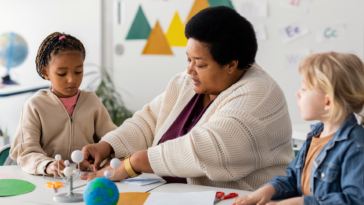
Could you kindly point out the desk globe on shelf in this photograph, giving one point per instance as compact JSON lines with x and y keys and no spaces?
{"x":13,"y":52}
{"x":101,"y":191}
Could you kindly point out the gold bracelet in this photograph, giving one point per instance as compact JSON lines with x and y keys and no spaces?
{"x":129,"y":169}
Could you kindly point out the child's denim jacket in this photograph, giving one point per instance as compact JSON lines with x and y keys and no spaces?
{"x":337,"y":174}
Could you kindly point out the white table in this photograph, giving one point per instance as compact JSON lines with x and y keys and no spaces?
{"x":181,"y":188}
{"x":44,"y":196}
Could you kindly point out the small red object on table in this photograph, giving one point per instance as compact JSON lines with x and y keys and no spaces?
{"x":221,"y":196}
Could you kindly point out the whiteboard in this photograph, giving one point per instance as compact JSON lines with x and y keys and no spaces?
{"x":140,"y":78}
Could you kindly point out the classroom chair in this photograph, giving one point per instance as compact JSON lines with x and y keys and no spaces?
{"x":4,"y":156}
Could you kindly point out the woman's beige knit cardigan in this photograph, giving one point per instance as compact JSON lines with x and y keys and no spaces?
{"x":242,"y":141}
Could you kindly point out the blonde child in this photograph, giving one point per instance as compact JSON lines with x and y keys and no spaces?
{"x":329,"y":169}
{"x":63,"y":118}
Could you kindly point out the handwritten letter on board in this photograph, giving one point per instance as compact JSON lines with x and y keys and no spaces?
{"x":293,"y":59}
{"x":293,"y":31}
{"x":331,"y":33}
{"x":254,"y":9}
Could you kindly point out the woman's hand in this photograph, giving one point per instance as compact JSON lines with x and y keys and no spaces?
{"x":139,"y":162}
{"x":120,"y":173}
{"x":49,"y":169}
{"x":95,"y":153}
{"x":259,"y":197}
{"x":291,"y":201}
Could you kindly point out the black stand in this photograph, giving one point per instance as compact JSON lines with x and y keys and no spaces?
{"x":8,"y":81}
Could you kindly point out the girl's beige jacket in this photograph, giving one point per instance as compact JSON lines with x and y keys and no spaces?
{"x":45,"y":129}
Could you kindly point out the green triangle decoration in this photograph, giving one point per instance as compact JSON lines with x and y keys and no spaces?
{"x":221,"y":3}
{"x":140,"y":29}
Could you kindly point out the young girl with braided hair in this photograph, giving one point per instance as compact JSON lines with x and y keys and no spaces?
{"x":63,"y":118}
{"x":329,"y":167}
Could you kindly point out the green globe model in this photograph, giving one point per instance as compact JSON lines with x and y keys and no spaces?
{"x":101,"y":191}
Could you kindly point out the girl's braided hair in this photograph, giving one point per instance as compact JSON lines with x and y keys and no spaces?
{"x":53,"y":44}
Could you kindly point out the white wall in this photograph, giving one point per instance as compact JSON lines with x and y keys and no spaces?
{"x":140,"y":78}
{"x":271,"y":52}
{"x":34,"y":20}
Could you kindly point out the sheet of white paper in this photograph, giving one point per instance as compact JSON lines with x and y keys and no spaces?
{"x":200,"y":198}
{"x":303,"y":5}
{"x":254,"y":9}
{"x":293,"y":59}
{"x":141,"y":181}
{"x":330,"y":33}
{"x":293,"y":31}
{"x":260,"y":32}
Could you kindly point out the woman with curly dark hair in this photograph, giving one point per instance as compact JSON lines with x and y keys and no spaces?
{"x":223,"y":123}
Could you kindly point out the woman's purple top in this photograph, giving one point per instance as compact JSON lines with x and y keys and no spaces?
{"x":185,"y":121}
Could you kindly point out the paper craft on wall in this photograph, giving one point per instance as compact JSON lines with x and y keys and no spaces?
{"x":331,"y":33}
{"x":260,"y":32}
{"x":161,"y":44}
{"x":221,"y":3}
{"x":302,"y":5}
{"x":176,"y":32}
{"x":157,"y":42}
{"x":197,"y":6}
{"x":293,"y":31}
{"x":254,"y":9}
{"x":140,"y":28}
{"x":293,"y":59}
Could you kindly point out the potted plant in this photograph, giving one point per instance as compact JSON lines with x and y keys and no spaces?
{"x":111,"y":98}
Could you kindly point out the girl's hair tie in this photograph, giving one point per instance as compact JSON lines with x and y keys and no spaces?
{"x":62,"y":37}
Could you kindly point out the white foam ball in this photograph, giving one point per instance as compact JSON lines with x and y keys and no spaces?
{"x":58,"y":157}
{"x":107,"y":174}
{"x":68,"y":171}
{"x":115,"y":163}
{"x":53,"y":167}
{"x":77,"y":156}
{"x":67,"y":162}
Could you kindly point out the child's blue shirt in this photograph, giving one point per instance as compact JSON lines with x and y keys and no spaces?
{"x":337,"y":174}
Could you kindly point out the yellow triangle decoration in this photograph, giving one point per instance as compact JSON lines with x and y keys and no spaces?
{"x":176,"y":32}
{"x":197,"y":7}
{"x":157,"y":42}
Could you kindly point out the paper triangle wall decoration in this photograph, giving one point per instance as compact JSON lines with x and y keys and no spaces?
{"x":157,"y":42}
{"x":198,"y":5}
{"x":140,"y":28}
{"x":176,"y":32}
{"x":221,"y":3}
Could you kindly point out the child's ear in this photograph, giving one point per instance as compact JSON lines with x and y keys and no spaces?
{"x":44,"y":72}
{"x":328,"y":102}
